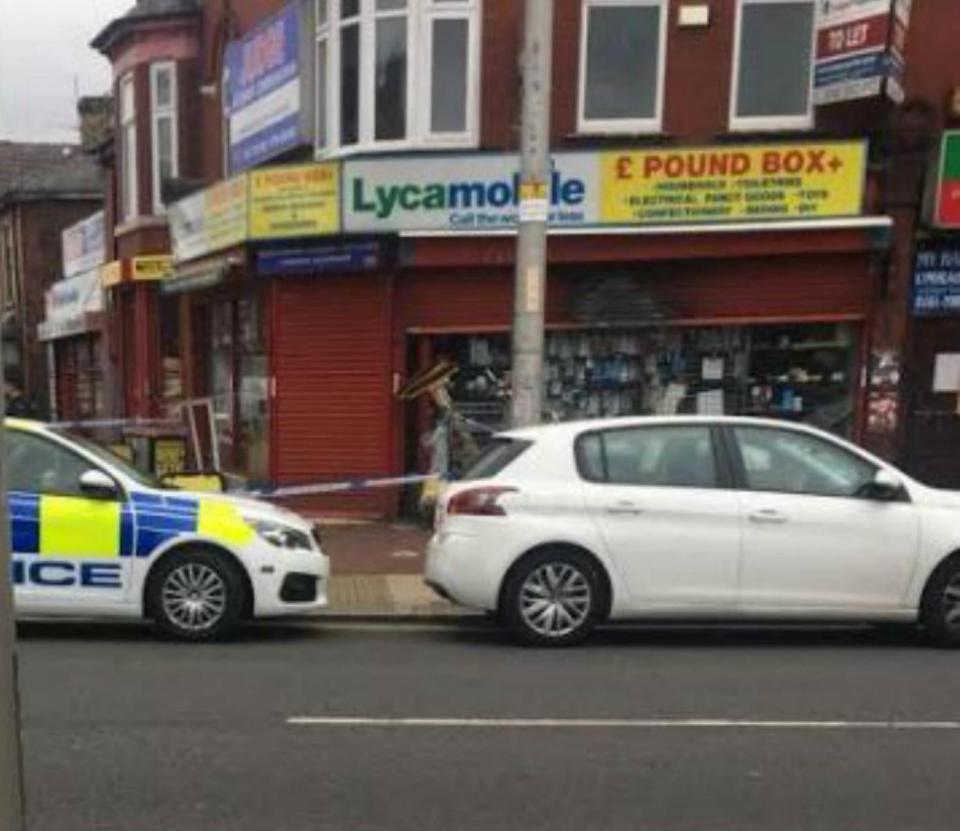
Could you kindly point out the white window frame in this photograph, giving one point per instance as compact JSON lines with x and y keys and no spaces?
{"x":170,"y":111}
{"x":129,"y":186}
{"x":769,"y":122}
{"x":621,"y":125}
{"x":420,"y":16}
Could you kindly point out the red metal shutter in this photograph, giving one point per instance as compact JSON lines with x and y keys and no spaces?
{"x":332,"y":408}
{"x":735,"y":290}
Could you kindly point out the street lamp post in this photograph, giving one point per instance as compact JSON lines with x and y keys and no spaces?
{"x":11,"y":771}
{"x":531,"y":266}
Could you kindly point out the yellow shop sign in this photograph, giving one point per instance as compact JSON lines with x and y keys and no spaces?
{"x":294,"y":201}
{"x":739,"y":183}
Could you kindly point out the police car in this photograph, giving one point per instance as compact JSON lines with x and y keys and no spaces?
{"x":93,"y":536}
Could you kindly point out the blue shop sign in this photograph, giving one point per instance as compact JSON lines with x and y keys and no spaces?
{"x":936,"y":280}
{"x":268,"y":83}
{"x":320,"y":259}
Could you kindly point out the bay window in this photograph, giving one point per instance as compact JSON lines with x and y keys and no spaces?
{"x":396,"y":74}
{"x":163,"y":128}
{"x":622,"y":57}
{"x":772,"y":67}
{"x":128,"y":150}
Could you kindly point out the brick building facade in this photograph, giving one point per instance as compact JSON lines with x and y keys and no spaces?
{"x":44,"y":188}
{"x":304,"y":369}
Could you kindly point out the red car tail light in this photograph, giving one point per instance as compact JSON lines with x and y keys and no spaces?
{"x":478,"y":502}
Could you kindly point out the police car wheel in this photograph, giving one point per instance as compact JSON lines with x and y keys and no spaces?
{"x":196,"y":595}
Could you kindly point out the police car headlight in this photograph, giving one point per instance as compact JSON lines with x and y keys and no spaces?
{"x":280,"y":535}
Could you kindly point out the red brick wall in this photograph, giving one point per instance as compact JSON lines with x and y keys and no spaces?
{"x":41,"y":224}
{"x":217,"y":31}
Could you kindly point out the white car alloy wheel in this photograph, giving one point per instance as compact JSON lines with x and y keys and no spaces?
{"x":951,"y":603}
{"x":555,"y":599}
{"x":197,"y":595}
{"x":552,"y":598}
{"x":194,"y":597}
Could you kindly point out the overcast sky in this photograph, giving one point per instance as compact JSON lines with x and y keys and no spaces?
{"x":44,"y":59}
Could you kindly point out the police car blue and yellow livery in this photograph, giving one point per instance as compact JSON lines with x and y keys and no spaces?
{"x":91,"y":535}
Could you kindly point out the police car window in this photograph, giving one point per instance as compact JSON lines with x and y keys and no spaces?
{"x":113,"y":460}
{"x":37,"y":465}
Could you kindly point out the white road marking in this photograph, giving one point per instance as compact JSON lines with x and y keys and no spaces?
{"x":602,"y":723}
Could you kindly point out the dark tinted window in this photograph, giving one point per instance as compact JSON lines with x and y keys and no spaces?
{"x":495,"y":458}
{"x":668,"y":456}
{"x":38,"y":465}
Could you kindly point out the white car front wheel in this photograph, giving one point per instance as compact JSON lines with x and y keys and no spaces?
{"x":196,"y":595}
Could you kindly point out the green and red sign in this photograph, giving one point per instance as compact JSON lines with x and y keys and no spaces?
{"x":947,"y":210}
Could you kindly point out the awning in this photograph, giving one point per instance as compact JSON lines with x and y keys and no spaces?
{"x":199,"y":275}
{"x":71,"y":327}
{"x":866,"y":223}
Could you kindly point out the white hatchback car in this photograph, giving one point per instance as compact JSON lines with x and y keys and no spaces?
{"x":560,"y":527}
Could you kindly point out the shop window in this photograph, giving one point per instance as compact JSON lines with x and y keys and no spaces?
{"x":163,"y":129}
{"x":128,"y":149}
{"x":622,"y":57}
{"x":79,"y":378}
{"x":396,"y":74}
{"x":239,"y":386}
{"x":802,"y":372}
{"x":772,"y":71}
{"x":171,"y":380}
{"x":9,"y":267}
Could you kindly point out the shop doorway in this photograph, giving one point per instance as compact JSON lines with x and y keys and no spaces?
{"x":233,"y":374}
{"x":933,"y":417}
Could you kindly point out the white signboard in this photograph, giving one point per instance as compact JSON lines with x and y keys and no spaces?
{"x":466,"y":194}
{"x":69,"y":302}
{"x":946,"y":372}
{"x":84,"y":245}
{"x":210,"y":220}
{"x":188,"y":230}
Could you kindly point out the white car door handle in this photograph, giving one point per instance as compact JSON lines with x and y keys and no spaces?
{"x":768,"y":515}
{"x":624,"y":507}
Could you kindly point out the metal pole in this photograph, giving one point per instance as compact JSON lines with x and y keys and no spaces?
{"x":11,"y":773}
{"x":535,"y":174}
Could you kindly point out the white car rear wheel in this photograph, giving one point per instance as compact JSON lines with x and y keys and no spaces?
{"x":553,"y":598}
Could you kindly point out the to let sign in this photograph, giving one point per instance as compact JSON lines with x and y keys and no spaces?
{"x":734,"y":183}
{"x":859,"y":49}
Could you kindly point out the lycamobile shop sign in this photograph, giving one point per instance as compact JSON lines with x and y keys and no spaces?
{"x":462,"y":193}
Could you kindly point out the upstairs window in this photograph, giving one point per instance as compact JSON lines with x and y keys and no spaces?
{"x":772,"y":72}
{"x":397,"y":74}
{"x":622,"y":56}
{"x":128,"y":150}
{"x":163,"y":128}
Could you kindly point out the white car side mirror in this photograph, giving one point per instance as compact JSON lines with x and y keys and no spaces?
{"x":885,"y":485}
{"x":97,"y":485}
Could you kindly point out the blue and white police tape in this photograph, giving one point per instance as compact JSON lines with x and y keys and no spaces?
{"x":345,"y":486}
{"x":102,"y":423}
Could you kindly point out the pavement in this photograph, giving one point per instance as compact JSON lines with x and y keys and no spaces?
{"x":377,"y":572}
{"x":358,"y":727}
